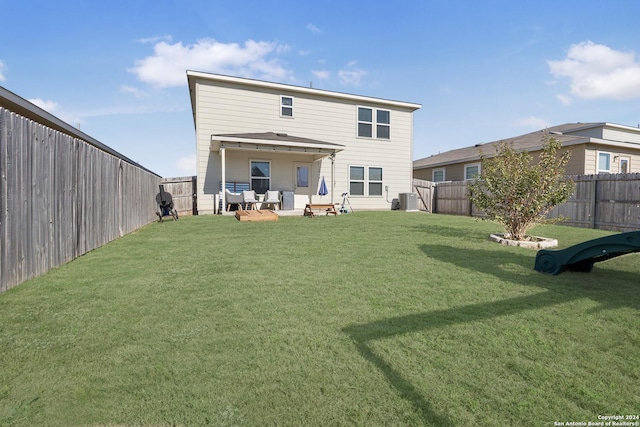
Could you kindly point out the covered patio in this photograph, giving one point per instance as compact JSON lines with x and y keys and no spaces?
{"x":274,"y":161}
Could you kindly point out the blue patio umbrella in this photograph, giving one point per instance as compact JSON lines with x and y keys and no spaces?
{"x":323,"y":188}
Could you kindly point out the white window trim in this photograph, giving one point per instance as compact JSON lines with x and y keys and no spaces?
{"x":388,"y":125}
{"x":251,"y":177}
{"x":470,"y":165}
{"x":374,"y":181}
{"x":444,"y":174}
{"x":628,"y":159}
{"x":366,"y":181}
{"x":292,"y":106}
{"x":363,"y":180}
{"x":374,"y":122}
{"x":598,"y":170}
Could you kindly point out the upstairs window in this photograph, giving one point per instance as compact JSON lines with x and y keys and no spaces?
{"x":383,"y":123}
{"x":286,"y":106}
{"x":365,"y":122}
{"x":373,"y":123}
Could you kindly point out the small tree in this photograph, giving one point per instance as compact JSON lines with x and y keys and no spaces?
{"x":518,"y":194}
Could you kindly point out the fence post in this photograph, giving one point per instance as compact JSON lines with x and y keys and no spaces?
{"x":594,"y":202}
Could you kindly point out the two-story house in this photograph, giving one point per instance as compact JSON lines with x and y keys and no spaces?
{"x":274,"y":136}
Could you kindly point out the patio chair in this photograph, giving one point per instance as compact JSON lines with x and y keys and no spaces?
{"x":233,"y":199}
{"x":272,"y":197}
{"x":249,"y":198}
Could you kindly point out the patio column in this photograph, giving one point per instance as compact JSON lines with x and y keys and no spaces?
{"x":333,"y":180}
{"x":223,"y":171}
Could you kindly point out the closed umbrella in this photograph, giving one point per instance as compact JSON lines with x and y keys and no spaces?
{"x":323,"y":188}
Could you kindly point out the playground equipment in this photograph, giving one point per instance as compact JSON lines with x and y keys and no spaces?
{"x":582,"y":256}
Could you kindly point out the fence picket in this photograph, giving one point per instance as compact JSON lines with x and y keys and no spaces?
{"x":61,"y":197}
{"x":603,"y":201}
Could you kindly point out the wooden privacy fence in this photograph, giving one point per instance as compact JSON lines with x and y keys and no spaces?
{"x":183,"y":193}
{"x":426,"y":192}
{"x":61,"y":197}
{"x":603,"y":201}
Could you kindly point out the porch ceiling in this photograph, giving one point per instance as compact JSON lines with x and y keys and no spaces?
{"x":272,"y":141}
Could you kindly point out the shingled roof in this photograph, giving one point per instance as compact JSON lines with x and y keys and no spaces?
{"x":529,"y":142}
{"x":277,"y":137}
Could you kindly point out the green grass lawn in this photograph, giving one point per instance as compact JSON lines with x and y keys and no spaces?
{"x":368,"y":319}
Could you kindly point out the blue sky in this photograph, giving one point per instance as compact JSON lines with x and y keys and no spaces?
{"x":482,"y":70}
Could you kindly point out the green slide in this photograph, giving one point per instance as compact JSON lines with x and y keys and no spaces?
{"x":582,"y":256}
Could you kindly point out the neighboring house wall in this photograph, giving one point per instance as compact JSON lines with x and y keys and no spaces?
{"x":609,"y":133}
{"x":224,"y":105}
{"x":616,"y":156}
{"x":584,"y":161}
{"x":456,"y":171}
{"x":619,"y":135}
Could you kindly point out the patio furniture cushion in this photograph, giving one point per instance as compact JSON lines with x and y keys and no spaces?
{"x":272,"y":197}
{"x":249,"y":197}
{"x":232,"y":199}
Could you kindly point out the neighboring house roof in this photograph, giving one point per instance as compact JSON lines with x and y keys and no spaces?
{"x":21,"y":106}
{"x":527,"y":142}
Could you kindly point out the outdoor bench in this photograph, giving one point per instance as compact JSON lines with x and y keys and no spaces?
{"x":326,"y":207}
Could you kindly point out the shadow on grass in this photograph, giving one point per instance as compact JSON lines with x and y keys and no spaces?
{"x":554,"y":290}
{"x":610,"y":288}
{"x":468,"y":232}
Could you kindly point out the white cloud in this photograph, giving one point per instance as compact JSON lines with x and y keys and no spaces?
{"x":155,"y":39}
{"x":533,"y":122}
{"x":564,"y":99}
{"x":53,"y":108}
{"x":282,"y":48}
{"x":321,"y":74}
{"x":168,"y":65}
{"x":352,"y":75}
{"x":597,"y":71}
{"x":48,"y":106}
{"x":138,"y":93}
{"x":187,"y":165}
{"x":2,"y":68}
{"x":313,"y":29}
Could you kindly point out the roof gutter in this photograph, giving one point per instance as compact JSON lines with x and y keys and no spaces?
{"x":299,"y":89}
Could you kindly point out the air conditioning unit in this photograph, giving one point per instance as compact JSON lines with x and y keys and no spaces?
{"x":408,"y":201}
